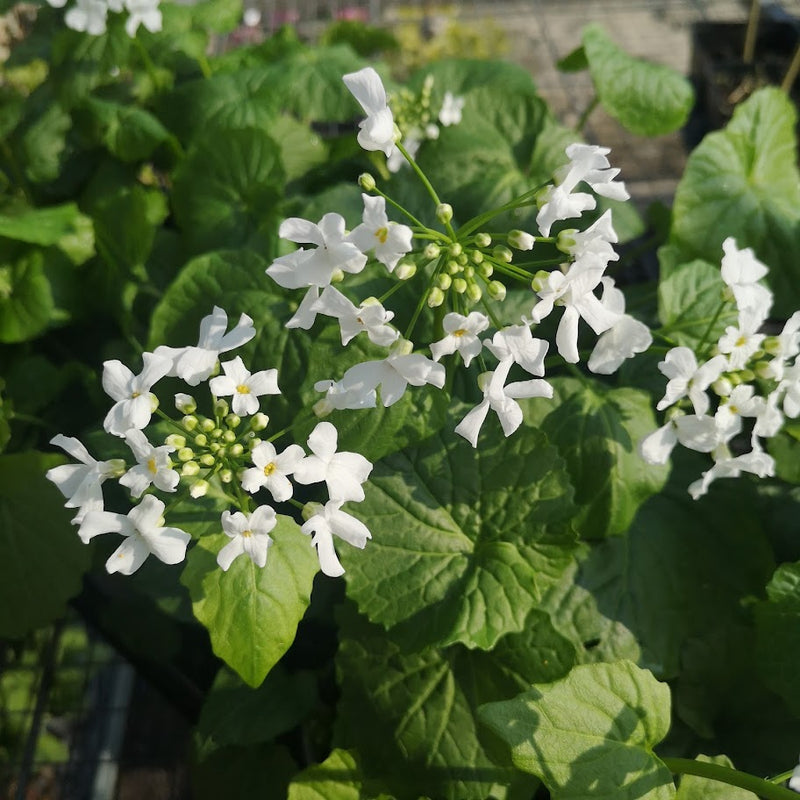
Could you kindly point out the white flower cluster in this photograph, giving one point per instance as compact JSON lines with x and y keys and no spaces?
{"x":221,"y":451}
{"x":740,"y":394}
{"x":459,"y":269}
{"x":91,"y":16}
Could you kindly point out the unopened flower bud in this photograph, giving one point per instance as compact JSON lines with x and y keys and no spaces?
{"x":214,"y":447}
{"x":233,"y":421}
{"x":117,"y":467}
{"x":469,"y":272}
{"x":772,"y":345}
{"x":459,"y":285}
{"x":254,"y":442}
{"x":185,"y":403}
{"x":190,"y":469}
{"x":228,"y":436}
{"x":673,"y":412}
{"x":486,"y":270}
{"x":175,"y":440}
{"x":189,"y":422}
{"x":722,"y":387}
{"x":198,"y":489}
{"x":727,"y":294}
{"x":226,"y":475}
{"x":474,"y":292}
{"x":453,"y":267}
{"x":207,"y":460}
{"x":747,"y":375}
{"x":540,"y":280}
{"x":566,"y":240}
{"x":207,"y":425}
{"x":483,"y":239}
{"x":221,"y":407}
{"x":402,"y":347}
{"x":337,"y":276}
{"x":216,"y":433}
{"x":443,"y":281}
{"x":405,"y":270}
{"x":185,"y":454}
{"x":431,"y":251}
{"x":259,"y":421}
{"x":502,"y":253}
{"x":496,"y":290}
{"x":444,"y":213}
{"x":366,"y":182}
{"x":455,"y":249}
{"x":310,"y":510}
{"x":153,"y":403}
{"x":476,"y":256}
{"x":236,"y":449}
{"x":520,"y":240}
{"x":735,"y":378}
{"x":201,"y":440}
{"x":435,"y":297}
{"x":763,"y":369}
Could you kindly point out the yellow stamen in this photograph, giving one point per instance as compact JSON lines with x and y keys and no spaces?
{"x":247,"y":534}
{"x":242,"y":389}
{"x":382,"y":234}
{"x":151,"y":465}
{"x":460,"y":332}
{"x":270,"y":468}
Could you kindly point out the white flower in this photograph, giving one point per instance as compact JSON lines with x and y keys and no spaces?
{"x":594,"y":242}
{"x":154,"y":465}
{"x":741,"y":271}
{"x":695,"y":432}
{"x":450,"y":112}
{"x":329,"y":521}
{"x":741,"y":402}
{"x":790,"y":387}
{"x":517,"y":343}
{"x":558,"y":203}
{"x":411,"y":142}
{"x":195,"y":364}
{"x":756,"y":462}
{"x":142,"y":12}
{"x":626,"y":337}
{"x":339,"y":396}
{"x":87,"y":16}
{"x":143,"y":536}
{"x":343,"y":473}
{"x":377,"y":131}
{"x":80,"y":483}
{"x":134,"y":402}
{"x":574,"y":291}
{"x":739,"y":345}
{"x":390,"y":241}
{"x":461,"y":335}
{"x":500,"y":399}
{"x":686,"y":379}
{"x":370,"y":317}
{"x":248,"y":534}
{"x":271,"y":470}
{"x":786,"y":345}
{"x":245,"y":387}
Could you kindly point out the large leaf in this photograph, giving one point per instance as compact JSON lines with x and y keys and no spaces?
{"x":648,"y":99}
{"x":590,"y":734}
{"x":744,"y":182}
{"x":227,"y":189}
{"x":252,"y":613}
{"x":464,"y":541}
{"x":42,"y":559}
{"x":42,"y":226}
{"x":26,"y":298}
{"x":692,"y":787}
{"x":597,"y":431}
{"x":412,"y":717}
{"x":338,"y":777}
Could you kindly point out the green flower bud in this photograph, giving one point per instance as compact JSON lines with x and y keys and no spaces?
{"x":207,"y":425}
{"x":444,"y":213}
{"x":459,"y":285}
{"x":366,"y":182}
{"x":310,"y":509}
{"x":435,"y":297}
{"x":117,"y":467}
{"x":566,"y":240}
{"x":474,"y":292}
{"x":207,"y":460}
{"x":236,"y":449}
{"x":402,"y":347}
{"x":175,"y":440}
{"x":486,"y":270}
{"x":216,"y":433}
{"x":520,"y":240}
{"x":189,"y":422}
{"x":214,"y":447}
{"x":469,"y":272}
{"x":225,"y":475}
{"x":153,"y":403}
{"x":540,"y":280}
{"x":727,"y":294}
{"x":229,"y":437}
{"x":722,"y":387}
{"x":190,"y":469}
{"x":502,"y":253}
{"x":443,"y":281}
{"x":185,"y":454}
{"x":673,"y":412}
{"x":337,"y":276}
{"x":233,"y":421}
{"x":221,"y":407}
{"x":496,"y":290}
{"x":185,"y":403}
{"x":483,"y":239}
{"x":763,"y":369}
{"x":771,"y":345}
{"x":259,"y":421}
{"x":747,"y":375}
{"x":201,"y":440}
{"x":431,"y":251}
{"x":198,"y":489}
{"x":405,"y":270}
{"x":476,"y":256}
{"x":453,"y":267}
{"x":455,"y":249}
{"x":463,"y":259}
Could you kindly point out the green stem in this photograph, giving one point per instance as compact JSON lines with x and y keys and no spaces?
{"x":402,"y":210}
{"x":586,"y":114}
{"x":149,"y":66}
{"x":426,"y":183}
{"x":733,"y":777}
{"x":423,"y":299}
{"x":710,"y":327}
{"x":476,"y":222}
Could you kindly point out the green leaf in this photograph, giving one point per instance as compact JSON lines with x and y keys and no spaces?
{"x":130,"y":133}
{"x":464,"y":541}
{"x":42,"y":559}
{"x":590,"y":734}
{"x":251,"y":613}
{"x":338,"y":777}
{"x":597,"y":431}
{"x":26,"y":299}
{"x":227,"y":190}
{"x":412,"y":717}
{"x":690,"y":301}
{"x":693,"y":787}
{"x":44,"y":144}
{"x":235,"y":714}
{"x":778,"y":634}
{"x":744,"y":182}
{"x":219,"y":16}
{"x":575,"y":61}
{"x":43,"y":226}
{"x":301,"y":148}
{"x":647,"y":99}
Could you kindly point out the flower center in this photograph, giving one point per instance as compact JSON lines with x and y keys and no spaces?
{"x":247,"y":534}
{"x":270,"y":468}
{"x":382,"y":234}
{"x":460,"y":332}
{"x":134,"y":395}
{"x":151,"y":465}
{"x":242,"y":389}
{"x":741,"y":341}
